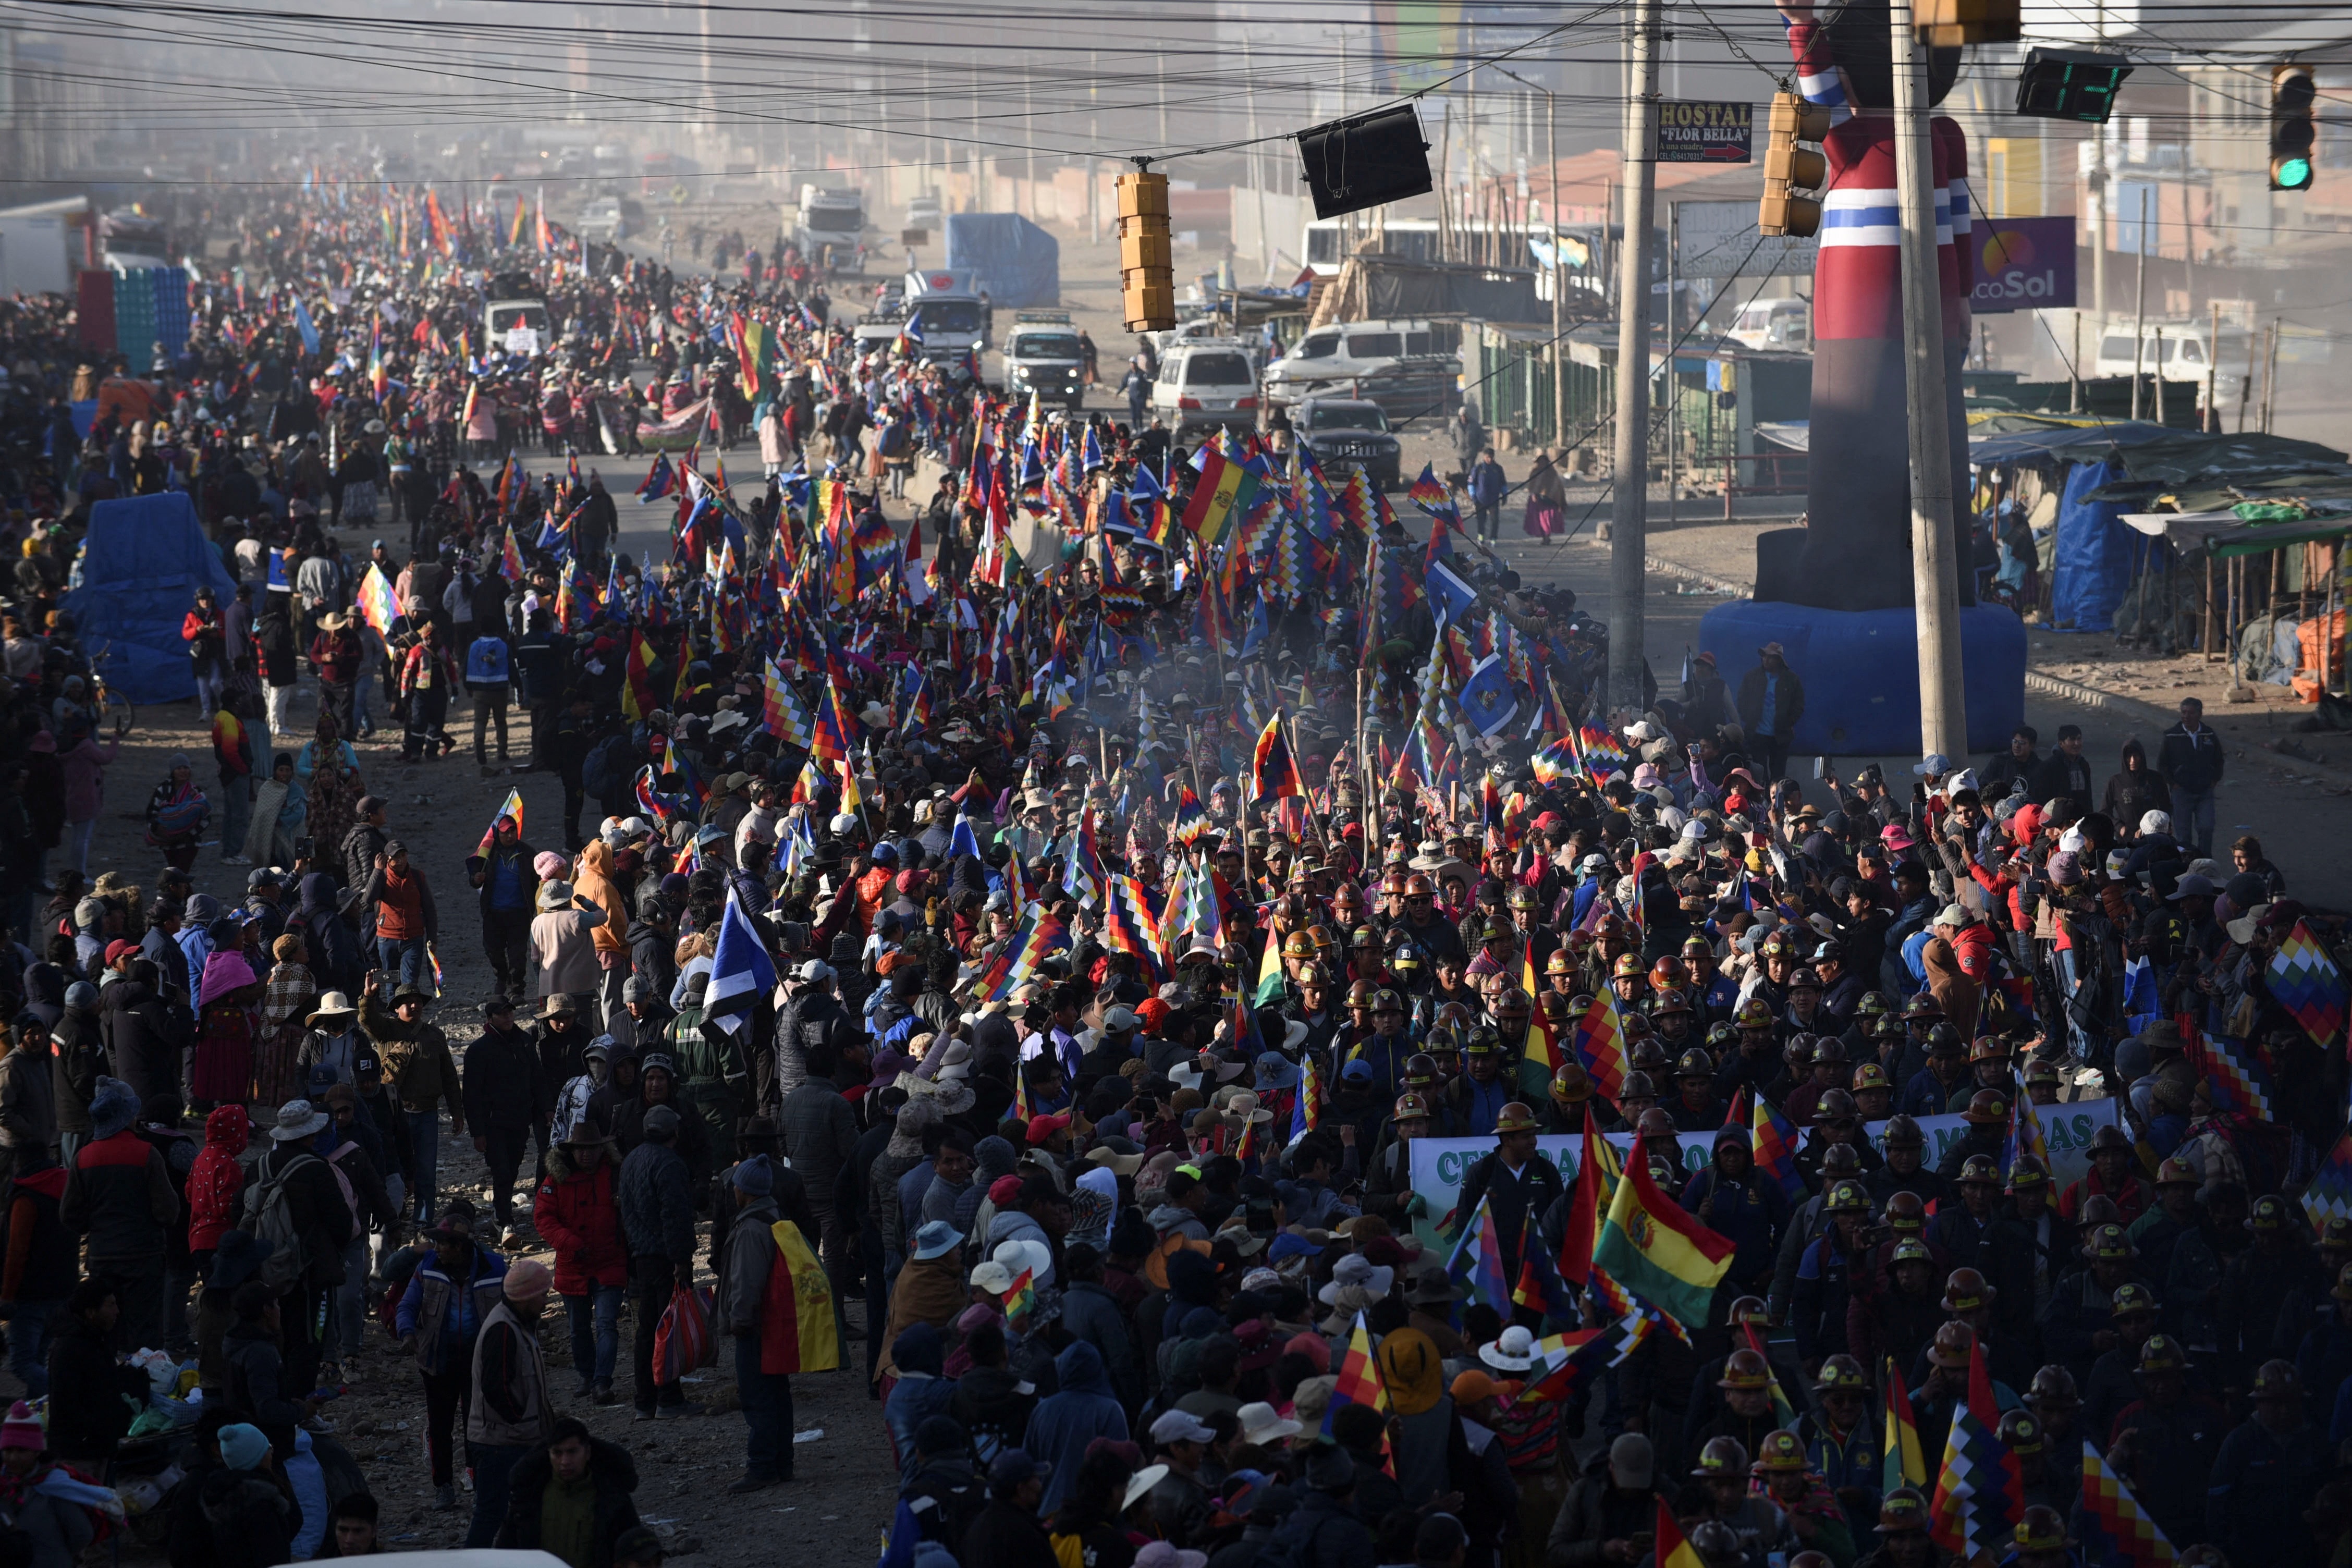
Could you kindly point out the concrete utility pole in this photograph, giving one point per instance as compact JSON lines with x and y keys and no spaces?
{"x":1630,"y":460}
{"x":1935,"y":587}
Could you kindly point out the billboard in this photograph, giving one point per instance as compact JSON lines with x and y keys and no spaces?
{"x":2022,"y":264}
{"x":1718,"y":239}
{"x":1705,"y":130}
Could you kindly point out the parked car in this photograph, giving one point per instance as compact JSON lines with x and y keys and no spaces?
{"x":1205,"y":382}
{"x":1346,"y":434}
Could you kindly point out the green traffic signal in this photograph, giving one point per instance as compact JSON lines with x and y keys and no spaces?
{"x":2291,"y":175}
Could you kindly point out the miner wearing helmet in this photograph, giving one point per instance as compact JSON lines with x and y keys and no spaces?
{"x":1825,"y":1273}
{"x":1901,"y":1314}
{"x":1838,"y":1123}
{"x":1388,"y":1185}
{"x":1755,"y":1065}
{"x":1723,"y":1467}
{"x":1433,"y":935}
{"x":1960,"y":1229}
{"x":2111,"y":1175}
{"x":1989,"y":1067}
{"x":1929,"y":1090}
{"x":1518,"y":1185}
{"x":2113,"y":1379}
{"x":1696,"y":1108}
{"x":1839,"y":1442}
{"x":1986,"y":1133}
{"x":2168,"y":1442}
{"x":2026,"y":1253}
{"x":1903,"y":1538}
{"x":1474,"y":1100}
{"x":2269,"y":1471}
{"x":2042,"y":1540}
{"x":2088,"y":1310}
{"x":1905,"y":1147}
{"x":1386,"y":1048}
{"x":1818,"y":1522}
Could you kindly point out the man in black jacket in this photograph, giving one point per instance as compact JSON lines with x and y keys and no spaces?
{"x":87,"y":1415}
{"x":507,"y":1095}
{"x":1008,"y":1534}
{"x":2064,"y":773}
{"x":322,"y":1222}
{"x":571,"y":1456}
{"x":2191,"y":759}
{"x":1324,"y":1532}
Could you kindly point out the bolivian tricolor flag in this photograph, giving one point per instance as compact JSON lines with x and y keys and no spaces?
{"x":1660,"y":1253}
{"x":796,"y":1324}
{"x":1272,"y":773}
{"x":1673,"y":1550}
{"x":1542,"y":1046}
{"x":1221,"y":493}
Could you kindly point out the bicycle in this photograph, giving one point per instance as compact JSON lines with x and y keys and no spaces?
{"x":107,"y":701}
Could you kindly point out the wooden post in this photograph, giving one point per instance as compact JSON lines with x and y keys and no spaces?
{"x":2205,"y":638}
{"x":2211,"y":421}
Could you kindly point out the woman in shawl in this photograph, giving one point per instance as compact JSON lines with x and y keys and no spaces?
{"x":1546,"y":499}
{"x":1954,"y":991}
{"x":225,"y":1030}
{"x":335,"y":791}
{"x":214,"y":1183}
{"x":293,"y":821}
{"x":176,"y":813}
{"x":324,"y":744}
{"x":285,"y":1003}
{"x":928,"y":1290}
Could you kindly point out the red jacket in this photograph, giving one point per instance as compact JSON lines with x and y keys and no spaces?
{"x":575,"y":1213}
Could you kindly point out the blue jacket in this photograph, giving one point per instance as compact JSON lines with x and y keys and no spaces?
{"x":1063,"y":1424}
{"x":1749,"y":1224}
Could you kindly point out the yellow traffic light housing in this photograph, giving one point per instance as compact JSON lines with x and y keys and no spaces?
{"x":1147,"y":260}
{"x":1952,"y":23}
{"x":1791,"y":169}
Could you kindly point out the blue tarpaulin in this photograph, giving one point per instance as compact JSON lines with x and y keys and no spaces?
{"x":1013,"y":261}
{"x":1861,"y":672}
{"x":140,"y":568}
{"x":2091,"y":568}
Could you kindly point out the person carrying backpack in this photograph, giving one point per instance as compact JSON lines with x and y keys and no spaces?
{"x":294,"y":1201}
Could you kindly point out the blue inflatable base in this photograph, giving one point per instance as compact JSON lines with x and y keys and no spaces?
{"x":1860,"y":669}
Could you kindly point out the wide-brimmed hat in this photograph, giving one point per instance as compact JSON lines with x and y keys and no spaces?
{"x":1514,"y":1352}
{"x":334,"y":1005}
{"x":555,"y":1003}
{"x":935,"y":1238}
{"x":555,"y":895}
{"x":1355,"y":1269}
{"x":298,"y":1118}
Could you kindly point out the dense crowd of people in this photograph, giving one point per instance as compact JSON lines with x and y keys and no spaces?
{"x":1018,"y":957}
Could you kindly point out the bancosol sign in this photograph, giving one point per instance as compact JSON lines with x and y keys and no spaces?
{"x":2022,"y":264}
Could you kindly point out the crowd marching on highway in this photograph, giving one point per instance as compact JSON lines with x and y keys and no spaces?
{"x":1189,"y":985}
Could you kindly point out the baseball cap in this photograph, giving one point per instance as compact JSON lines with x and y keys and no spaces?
{"x":1181,"y":1426}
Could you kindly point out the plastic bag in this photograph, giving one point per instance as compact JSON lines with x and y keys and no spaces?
{"x":683,"y":1340}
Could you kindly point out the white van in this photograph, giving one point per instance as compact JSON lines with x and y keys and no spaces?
{"x":1206,"y":382}
{"x":1346,"y":351}
{"x":2180,"y":356}
{"x":1781,"y":324}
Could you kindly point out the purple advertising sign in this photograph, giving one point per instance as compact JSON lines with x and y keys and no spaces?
{"x":2023,"y":264}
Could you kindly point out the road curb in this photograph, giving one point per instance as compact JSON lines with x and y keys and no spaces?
{"x":1657,"y":565}
{"x":2047,"y":685}
{"x":2114,"y":702}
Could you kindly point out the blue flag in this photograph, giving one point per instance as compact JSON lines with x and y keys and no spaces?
{"x":307,"y":327}
{"x":1486,"y":700}
{"x":1449,"y":595}
{"x":740,"y":971}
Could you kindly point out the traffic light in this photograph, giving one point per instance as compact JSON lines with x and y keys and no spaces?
{"x":1147,"y":263}
{"x":2070,"y":84}
{"x":1951,"y":23}
{"x":1789,"y":169}
{"x":2293,"y":91}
